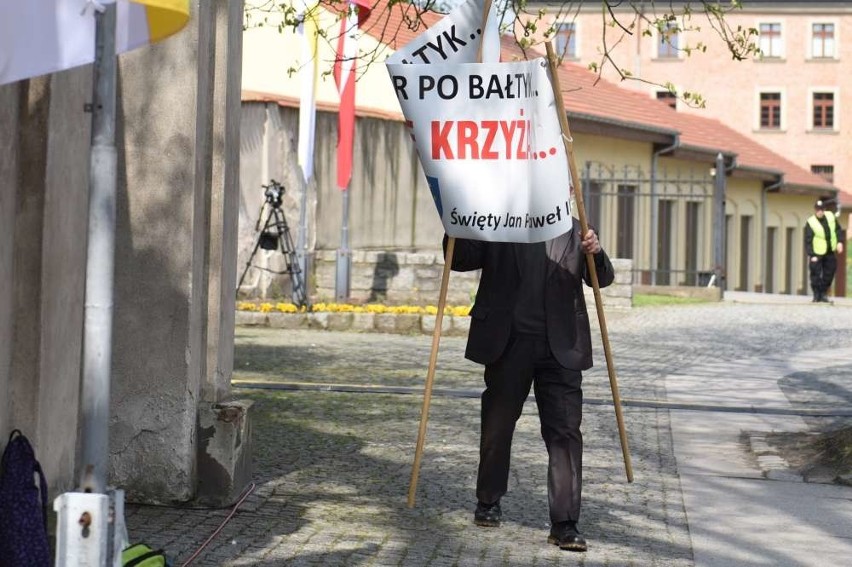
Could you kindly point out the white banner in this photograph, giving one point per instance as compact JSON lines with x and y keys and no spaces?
{"x":487,"y":134}
{"x":489,"y":141}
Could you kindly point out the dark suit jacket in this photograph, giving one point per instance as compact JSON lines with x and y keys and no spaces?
{"x":565,"y":307}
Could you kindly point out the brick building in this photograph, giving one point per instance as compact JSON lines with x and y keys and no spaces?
{"x":795,"y":98}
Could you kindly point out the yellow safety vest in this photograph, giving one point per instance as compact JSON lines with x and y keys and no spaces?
{"x":820,"y":243}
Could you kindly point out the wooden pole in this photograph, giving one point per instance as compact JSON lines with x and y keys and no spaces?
{"x":439,"y":318}
{"x":590,"y":261}
{"x":430,"y":375}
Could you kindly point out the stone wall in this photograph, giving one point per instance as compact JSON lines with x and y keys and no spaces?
{"x":413,"y":269}
{"x":395,"y":323}
{"x":401,"y":278}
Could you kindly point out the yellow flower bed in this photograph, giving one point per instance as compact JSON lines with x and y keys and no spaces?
{"x":458,"y":310}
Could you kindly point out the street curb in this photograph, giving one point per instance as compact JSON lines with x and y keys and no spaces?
{"x":397,"y":323}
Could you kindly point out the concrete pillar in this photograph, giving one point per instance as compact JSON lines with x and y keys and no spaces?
{"x":224,"y":425}
{"x":9,"y":102}
{"x":63,"y":257}
{"x":176,"y":247}
{"x":225,"y":201}
{"x":157,"y":351}
{"x":28,"y":233}
{"x":43,"y":201}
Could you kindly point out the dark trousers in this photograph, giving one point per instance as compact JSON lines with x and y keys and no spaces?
{"x":822,"y":272}
{"x":559,"y":397}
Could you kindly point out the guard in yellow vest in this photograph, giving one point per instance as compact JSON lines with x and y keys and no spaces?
{"x":824,"y":239}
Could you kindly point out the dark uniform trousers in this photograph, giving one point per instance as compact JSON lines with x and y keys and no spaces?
{"x":822,"y":272}
{"x":527,"y":360}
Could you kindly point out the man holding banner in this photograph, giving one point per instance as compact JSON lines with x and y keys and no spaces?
{"x":529,"y":326}
{"x":489,"y":139}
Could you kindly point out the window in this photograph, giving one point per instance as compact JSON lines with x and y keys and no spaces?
{"x":594,"y":203}
{"x":822,"y":41}
{"x":788,"y":260}
{"x":824,"y":171}
{"x":769,"y":260}
{"x":669,"y":42}
{"x":668,"y":97}
{"x":730,"y":253}
{"x":823,"y":114}
{"x":770,"y":111}
{"x":566,"y":40}
{"x":625,"y":221}
{"x":745,"y":247}
{"x":771,"y":40}
{"x":692,"y":237}
{"x":665,"y":239}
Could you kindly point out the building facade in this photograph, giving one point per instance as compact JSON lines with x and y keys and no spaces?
{"x":648,"y":175}
{"x":794,"y":98}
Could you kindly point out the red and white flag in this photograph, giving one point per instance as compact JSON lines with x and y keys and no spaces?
{"x":344,"y":77}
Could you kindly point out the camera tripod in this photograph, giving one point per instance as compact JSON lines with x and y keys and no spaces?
{"x":274,"y":235}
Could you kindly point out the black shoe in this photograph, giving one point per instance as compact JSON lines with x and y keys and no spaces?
{"x":566,"y":536}
{"x":824,"y":299}
{"x":487,"y":515}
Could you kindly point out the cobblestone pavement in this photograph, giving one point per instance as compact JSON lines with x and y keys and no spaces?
{"x":332,"y":469}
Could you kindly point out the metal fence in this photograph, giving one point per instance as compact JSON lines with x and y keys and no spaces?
{"x":662,"y":220}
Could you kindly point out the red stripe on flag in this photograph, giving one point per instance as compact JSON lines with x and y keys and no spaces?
{"x":344,"y":77}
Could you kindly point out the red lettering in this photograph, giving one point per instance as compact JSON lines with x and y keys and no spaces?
{"x":466,"y":143}
{"x":523,"y":125}
{"x":440,"y":139}
{"x":467,"y":133}
{"x":490,"y":127}
{"x":507,"y":135}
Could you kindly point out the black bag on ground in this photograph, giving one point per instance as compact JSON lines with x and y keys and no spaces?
{"x":23,"y":507}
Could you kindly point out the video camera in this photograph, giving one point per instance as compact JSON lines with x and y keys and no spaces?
{"x":274,"y":193}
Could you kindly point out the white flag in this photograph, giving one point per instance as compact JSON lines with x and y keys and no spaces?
{"x":308,"y":30}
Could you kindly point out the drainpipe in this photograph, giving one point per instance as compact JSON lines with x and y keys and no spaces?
{"x":654,"y":211}
{"x":764,"y":222}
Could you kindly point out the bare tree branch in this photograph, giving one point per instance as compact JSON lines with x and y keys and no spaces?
{"x":667,"y":21}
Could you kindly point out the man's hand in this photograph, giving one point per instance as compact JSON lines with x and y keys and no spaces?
{"x":840,"y":248}
{"x":590,"y":244}
{"x":814,"y":259}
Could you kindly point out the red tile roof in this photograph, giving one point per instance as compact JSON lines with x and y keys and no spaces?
{"x":393,"y":25}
